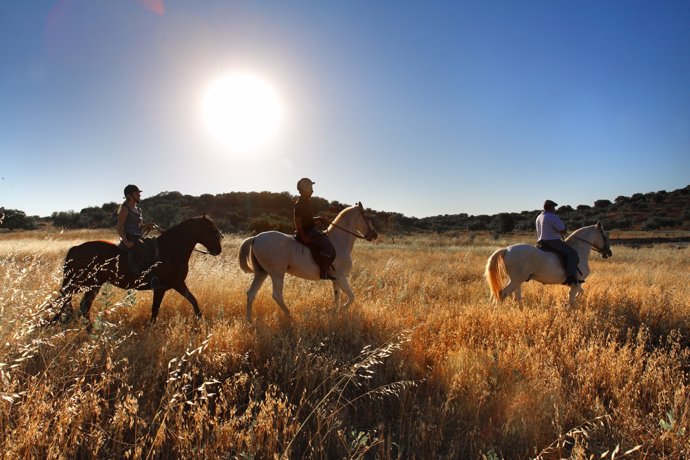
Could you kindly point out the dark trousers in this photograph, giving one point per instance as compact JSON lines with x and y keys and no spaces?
{"x":325,"y":249}
{"x":570,"y":254}
{"x":140,"y":255}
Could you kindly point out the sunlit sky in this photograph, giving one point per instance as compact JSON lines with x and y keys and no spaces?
{"x":423,"y":108}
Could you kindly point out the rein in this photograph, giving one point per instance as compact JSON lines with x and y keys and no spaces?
{"x":162,"y":230}
{"x":358,"y":235}
{"x":599,"y":250}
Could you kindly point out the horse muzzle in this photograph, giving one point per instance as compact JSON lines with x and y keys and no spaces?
{"x":371,"y":236}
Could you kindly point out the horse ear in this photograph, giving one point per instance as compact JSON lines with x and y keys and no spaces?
{"x":359,"y":203}
{"x":598,"y":224}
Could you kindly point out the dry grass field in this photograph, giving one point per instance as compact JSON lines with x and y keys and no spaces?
{"x":422,"y":366}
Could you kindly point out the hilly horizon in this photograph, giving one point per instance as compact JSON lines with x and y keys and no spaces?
{"x":260,"y":211}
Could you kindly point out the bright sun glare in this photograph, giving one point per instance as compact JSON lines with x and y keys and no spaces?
{"x":242,"y":111}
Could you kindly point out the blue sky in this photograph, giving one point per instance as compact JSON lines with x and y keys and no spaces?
{"x":423,"y":108}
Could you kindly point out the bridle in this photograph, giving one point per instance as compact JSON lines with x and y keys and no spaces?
{"x":371,"y":231}
{"x":220,"y":237}
{"x":163,"y":230}
{"x":603,"y":251}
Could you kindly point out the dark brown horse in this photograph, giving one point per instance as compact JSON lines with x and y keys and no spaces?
{"x":88,"y":266}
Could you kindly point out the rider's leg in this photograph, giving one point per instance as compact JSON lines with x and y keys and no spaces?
{"x":326,"y":253}
{"x":571,"y":258}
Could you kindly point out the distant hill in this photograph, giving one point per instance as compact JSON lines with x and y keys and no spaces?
{"x":642,"y":212}
{"x":258,"y":211}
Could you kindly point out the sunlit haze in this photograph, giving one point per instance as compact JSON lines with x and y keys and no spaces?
{"x":242,"y":111}
{"x":423,"y":108}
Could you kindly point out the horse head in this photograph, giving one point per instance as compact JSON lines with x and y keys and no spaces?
{"x":603,"y":246}
{"x":208,"y":234}
{"x":595,"y":237}
{"x":366,"y":226}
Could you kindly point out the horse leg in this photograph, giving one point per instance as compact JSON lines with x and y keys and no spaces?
{"x":156,"y":305}
{"x":518,"y":293}
{"x":259,"y":278}
{"x":580,"y":292}
{"x":184,"y":291}
{"x":278,"y":282}
{"x":63,"y":303}
{"x":87,"y":300}
{"x":512,"y":286}
{"x":345,"y":287}
{"x":336,"y":294}
{"x":576,"y":292}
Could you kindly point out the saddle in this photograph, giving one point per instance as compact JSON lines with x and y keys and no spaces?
{"x":316,"y":255}
{"x":548,"y":249}
{"x":142,"y":256}
{"x":561,"y":257}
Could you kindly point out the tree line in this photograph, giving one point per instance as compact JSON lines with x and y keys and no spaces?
{"x":253,"y":212}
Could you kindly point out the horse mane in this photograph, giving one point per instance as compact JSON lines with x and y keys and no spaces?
{"x":579,"y":231}
{"x":180,"y":229}
{"x":186,"y":223}
{"x":341,"y":215}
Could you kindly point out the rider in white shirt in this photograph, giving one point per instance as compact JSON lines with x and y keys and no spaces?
{"x":550,"y":231}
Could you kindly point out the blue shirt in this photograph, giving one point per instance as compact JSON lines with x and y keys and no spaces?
{"x":549,"y":226}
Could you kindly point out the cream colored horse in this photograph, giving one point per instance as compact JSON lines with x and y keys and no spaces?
{"x":522,"y":262}
{"x":274,"y":254}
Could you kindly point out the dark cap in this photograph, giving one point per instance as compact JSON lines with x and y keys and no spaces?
{"x":549,"y":203}
{"x":304,"y":181}
{"x":131,"y":188}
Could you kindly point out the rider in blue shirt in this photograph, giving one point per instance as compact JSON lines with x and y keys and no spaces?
{"x":550,"y":231}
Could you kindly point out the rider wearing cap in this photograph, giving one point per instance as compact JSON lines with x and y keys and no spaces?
{"x":131,"y":229}
{"x":305,"y":224}
{"x":550,"y":231}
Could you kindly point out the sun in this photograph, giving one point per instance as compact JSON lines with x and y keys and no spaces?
{"x":243,"y":111}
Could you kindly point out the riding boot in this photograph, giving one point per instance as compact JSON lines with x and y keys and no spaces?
{"x":154,"y":281}
{"x":570,"y":280}
{"x":324,"y":267}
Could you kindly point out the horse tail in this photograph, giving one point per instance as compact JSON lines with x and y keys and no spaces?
{"x":495,"y":270}
{"x":66,"y":272}
{"x":246,"y":256}
{"x":57,"y":305}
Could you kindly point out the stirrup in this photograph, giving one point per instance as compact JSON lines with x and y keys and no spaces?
{"x":155,"y":283}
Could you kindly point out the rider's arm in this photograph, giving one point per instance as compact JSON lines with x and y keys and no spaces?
{"x":300,"y":231}
{"x":298,"y":225}
{"x":121,"y":218}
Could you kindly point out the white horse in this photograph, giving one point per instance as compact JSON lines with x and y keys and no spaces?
{"x":274,"y":254}
{"x":522,"y":262}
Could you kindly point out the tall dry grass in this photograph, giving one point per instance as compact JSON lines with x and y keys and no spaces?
{"x":422,"y":366}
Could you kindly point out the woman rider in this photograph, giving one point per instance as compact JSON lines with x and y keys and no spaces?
{"x":131,"y":229}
